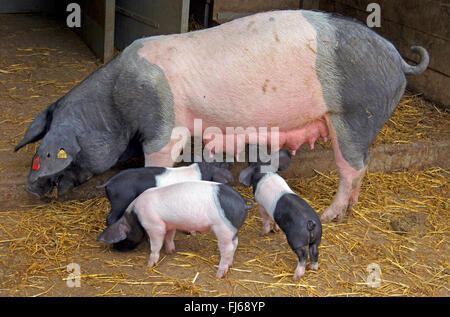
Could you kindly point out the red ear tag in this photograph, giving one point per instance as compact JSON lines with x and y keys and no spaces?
{"x":36,"y":163}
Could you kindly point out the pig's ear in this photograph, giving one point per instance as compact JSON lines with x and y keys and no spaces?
{"x":116,"y":232}
{"x":284,"y":157}
{"x":38,"y":128}
{"x":245,"y":176}
{"x":222,"y":175}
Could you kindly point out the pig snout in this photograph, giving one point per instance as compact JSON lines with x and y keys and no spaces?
{"x":40,"y":187}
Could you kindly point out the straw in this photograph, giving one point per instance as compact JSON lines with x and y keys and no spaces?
{"x":413,"y":261}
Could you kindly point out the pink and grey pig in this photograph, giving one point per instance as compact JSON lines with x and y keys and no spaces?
{"x":191,"y":206}
{"x":125,"y":186}
{"x":296,"y":218}
{"x":310,"y":74}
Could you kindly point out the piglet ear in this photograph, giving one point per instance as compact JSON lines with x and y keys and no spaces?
{"x":245,"y":176}
{"x":284,"y":157}
{"x":38,"y":128}
{"x":222,"y":175}
{"x":116,"y":232}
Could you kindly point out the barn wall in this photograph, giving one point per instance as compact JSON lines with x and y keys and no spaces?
{"x":226,"y":10}
{"x":26,"y":6}
{"x":406,"y":23}
{"x":136,"y":19}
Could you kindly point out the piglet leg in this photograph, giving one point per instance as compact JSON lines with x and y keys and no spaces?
{"x":276,"y":228}
{"x":156,"y":235}
{"x":227,"y":247}
{"x":313,"y":257}
{"x":265,"y":220}
{"x":299,"y":271}
{"x":301,"y":267}
{"x":168,"y":241}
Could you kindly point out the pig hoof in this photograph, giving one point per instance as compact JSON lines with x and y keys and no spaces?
{"x":221,"y":273}
{"x":333,"y":213}
{"x":276,"y":228}
{"x":152,"y":262}
{"x":265,"y":230}
{"x":314,"y":266}
{"x":170,"y":250}
{"x":299,"y":271}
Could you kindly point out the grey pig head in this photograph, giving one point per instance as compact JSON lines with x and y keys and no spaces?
{"x":55,"y":154}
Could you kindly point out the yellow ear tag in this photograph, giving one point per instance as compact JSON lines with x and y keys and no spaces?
{"x":62,"y":154}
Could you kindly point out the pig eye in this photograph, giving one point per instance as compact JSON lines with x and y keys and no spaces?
{"x":48,"y":154}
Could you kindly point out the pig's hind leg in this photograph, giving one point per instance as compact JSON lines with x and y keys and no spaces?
{"x":350,"y":179}
{"x":302,"y":254}
{"x":313,"y":256}
{"x":227,"y":241}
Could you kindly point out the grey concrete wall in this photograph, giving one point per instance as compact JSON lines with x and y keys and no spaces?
{"x":25,"y":6}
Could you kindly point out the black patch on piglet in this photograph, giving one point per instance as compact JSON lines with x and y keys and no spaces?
{"x":125,"y":186}
{"x":233,"y":205}
{"x":301,"y":224}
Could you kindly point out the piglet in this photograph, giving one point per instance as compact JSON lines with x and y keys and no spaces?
{"x":125,"y":186}
{"x":192,"y":206}
{"x":292,"y":214}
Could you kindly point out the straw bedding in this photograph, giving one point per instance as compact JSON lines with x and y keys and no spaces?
{"x":401,"y":223}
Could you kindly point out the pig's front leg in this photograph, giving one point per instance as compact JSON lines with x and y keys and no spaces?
{"x":276,"y":228}
{"x":265,"y":220}
{"x":156,"y":235}
{"x":168,"y":241}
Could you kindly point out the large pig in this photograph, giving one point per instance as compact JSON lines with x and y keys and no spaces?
{"x":311,"y":74}
{"x":191,"y":206}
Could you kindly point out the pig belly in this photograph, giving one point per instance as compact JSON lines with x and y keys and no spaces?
{"x":200,"y":225}
{"x":256,"y":71}
{"x":292,"y":139}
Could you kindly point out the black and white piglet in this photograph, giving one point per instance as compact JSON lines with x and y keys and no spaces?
{"x":292,"y":214}
{"x":125,"y":186}
{"x":192,"y":206}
